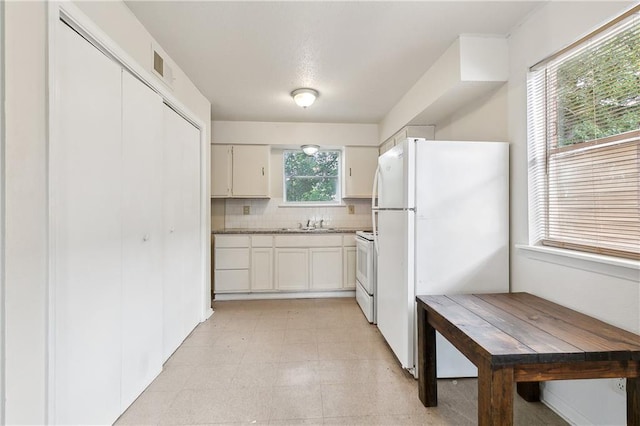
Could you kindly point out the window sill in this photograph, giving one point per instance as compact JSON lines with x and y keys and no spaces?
{"x":311,"y":205}
{"x":608,"y":265}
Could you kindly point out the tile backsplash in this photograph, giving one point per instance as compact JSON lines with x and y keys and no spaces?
{"x":271,"y":214}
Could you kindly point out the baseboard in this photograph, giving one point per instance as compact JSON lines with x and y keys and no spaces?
{"x":562,"y":409}
{"x":285,"y":295}
{"x":207,"y":314}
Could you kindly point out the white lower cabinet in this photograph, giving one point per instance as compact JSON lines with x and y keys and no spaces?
{"x":232,"y":258}
{"x":292,"y":268}
{"x":261,"y":263}
{"x":232,"y":281}
{"x":349,"y":268}
{"x":261,"y":269}
{"x":326,"y":268}
{"x":232,"y":261}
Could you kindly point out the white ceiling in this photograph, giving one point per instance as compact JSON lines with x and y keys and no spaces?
{"x":246,"y":57}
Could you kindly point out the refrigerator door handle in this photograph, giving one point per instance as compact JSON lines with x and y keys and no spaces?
{"x":375,"y":231}
{"x":374,"y":190}
{"x":374,"y":207}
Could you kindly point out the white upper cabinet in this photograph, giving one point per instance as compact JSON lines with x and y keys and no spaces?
{"x":240,"y":171}
{"x":359,"y":167}
{"x":250,"y":171}
{"x":221,"y":170}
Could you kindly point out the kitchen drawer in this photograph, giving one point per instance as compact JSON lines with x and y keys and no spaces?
{"x":308,"y":240}
{"x":349,"y":240}
{"x":232,"y":258}
{"x":232,"y":241}
{"x":232,"y":281}
{"x":265,"y":241}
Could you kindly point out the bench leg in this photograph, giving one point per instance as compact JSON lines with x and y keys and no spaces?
{"x":633,"y":401}
{"x":495,"y":396}
{"x":427,"y":379}
{"x":529,"y":391}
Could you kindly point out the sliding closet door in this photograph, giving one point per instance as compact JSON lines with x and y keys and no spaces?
{"x":86,"y":211}
{"x":182,"y":291}
{"x":141,"y":237}
{"x":174,"y":255}
{"x":191,"y":223}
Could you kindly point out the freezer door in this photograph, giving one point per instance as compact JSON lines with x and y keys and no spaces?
{"x":395,"y":183}
{"x":395,"y":289}
{"x":462,"y":227}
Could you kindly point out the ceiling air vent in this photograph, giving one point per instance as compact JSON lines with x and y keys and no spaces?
{"x":160,"y":66}
{"x":158,"y":63}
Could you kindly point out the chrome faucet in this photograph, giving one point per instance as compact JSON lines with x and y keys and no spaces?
{"x":321,"y":222}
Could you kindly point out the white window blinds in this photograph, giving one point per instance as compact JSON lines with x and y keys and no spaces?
{"x":584,"y":143}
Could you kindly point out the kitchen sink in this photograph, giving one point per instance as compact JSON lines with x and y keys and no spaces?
{"x":308,"y":230}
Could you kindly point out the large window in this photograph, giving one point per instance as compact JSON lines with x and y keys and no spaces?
{"x":312,"y":178}
{"x":584,"y":143}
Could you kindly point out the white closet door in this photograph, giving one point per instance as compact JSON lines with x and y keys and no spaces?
{"x":142,"y":237}
{"x":86,"y":202}
{"x":182,"y":260}
{"x":174,"y":252}
{"x":190,"y":142}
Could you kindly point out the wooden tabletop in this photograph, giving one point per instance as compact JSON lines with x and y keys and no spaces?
{"x":519,"y":328}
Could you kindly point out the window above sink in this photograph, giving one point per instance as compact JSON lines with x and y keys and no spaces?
{"x":312,"y":179}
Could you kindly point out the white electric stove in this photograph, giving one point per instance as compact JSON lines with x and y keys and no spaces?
{"x":366,"y":275}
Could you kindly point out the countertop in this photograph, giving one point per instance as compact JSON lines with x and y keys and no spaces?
{"x":292,"y":231}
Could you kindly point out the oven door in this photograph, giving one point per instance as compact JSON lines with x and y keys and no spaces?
{"x":364,"y":262}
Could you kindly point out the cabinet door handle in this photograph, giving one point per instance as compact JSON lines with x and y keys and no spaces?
{"x":349,"y":171}
{"x":145,"y":237}
{"x":263,"y":171}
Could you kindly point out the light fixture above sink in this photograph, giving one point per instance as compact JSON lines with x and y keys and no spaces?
{"x":310,"y":149}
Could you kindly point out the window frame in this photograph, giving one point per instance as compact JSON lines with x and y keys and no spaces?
{"x":542,"y":142}
{"x":339,"y":177}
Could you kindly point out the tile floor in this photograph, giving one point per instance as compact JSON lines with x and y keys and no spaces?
{"x":303,"y":361}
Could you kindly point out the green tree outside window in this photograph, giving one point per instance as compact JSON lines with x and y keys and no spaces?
{"x":598,"y":90}
{"x":312,"y":178}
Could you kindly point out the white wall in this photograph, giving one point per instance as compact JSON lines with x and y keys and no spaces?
{"x":294,"y":134}
{"x":26,"y":211}
{"x":483,"y":119}
{"x":434,"y":84}
{"x":470,"y":68}
{"x":611,"y":299}
{"x":2,"y":179}
{"x":615,"y":300}
{"x":26,"y":186}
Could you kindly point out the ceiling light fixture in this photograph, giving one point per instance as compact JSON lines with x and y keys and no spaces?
{"x":310,"y":149}
{"x":304,"y":97}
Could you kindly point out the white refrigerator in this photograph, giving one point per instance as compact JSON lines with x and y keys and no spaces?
{"x":442,"y":222}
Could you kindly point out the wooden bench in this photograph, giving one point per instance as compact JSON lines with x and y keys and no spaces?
{"x":523,"y":339}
